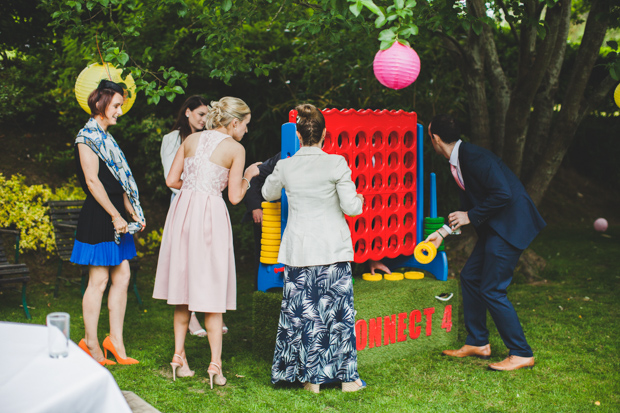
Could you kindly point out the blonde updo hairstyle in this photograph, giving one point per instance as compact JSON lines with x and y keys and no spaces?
{"x":222,"y":112}
{"x":310,"y":124}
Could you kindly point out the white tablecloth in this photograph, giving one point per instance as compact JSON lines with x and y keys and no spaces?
{"x":31,"y":381}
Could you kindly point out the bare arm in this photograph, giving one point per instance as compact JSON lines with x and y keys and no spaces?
{"x":131,"y":211}
{"x":173,"y":180}
{"x":237,"y":185}
{"x":90,"y":165}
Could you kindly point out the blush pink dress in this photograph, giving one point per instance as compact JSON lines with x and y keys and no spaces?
{"x":196,"y":263}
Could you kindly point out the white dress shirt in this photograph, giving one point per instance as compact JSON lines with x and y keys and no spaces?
{"x":169,"y":146}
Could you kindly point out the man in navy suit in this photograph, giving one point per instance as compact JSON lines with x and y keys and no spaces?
{"x":506,"y":221}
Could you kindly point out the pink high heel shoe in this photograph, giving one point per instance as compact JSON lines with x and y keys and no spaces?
{"x":184,"y":370}
{"x":216,"y":376}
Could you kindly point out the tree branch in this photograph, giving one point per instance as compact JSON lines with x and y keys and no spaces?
{"x":513,"y":29}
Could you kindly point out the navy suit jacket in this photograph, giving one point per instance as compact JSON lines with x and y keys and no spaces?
{"x":495,"y":197}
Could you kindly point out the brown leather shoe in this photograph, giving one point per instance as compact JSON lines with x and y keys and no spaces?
{"x":483,"y":352}
{"x":513,"y":363}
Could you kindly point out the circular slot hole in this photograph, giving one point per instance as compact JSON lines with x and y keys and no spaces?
{"x":393,"y":222}
{"x":408,"y":139}
{"x":408,"y":200}
{"x":408,"y":220}
{"x":360,"y":246}
{"x":377,"y":224}
{"x":408,"y":160}
{"x":408,"y":180}
{"x":393,"y":243}
{"x":377,"y":203}
{"x":393,"y":140}
{"x":377,"y":160}
{"x":343,"y":140}
{"x":392,"y":201}
{"x":360,"y":140}
{"x":360,"y":161}
{"x":392,"y":181}
{"x":377,"y":181}
{"x":377,"y":245}
{"x":408,"y":240}
{"x":360,"y":182}
{"x":393,"y":160}
{"x":360,"y":226}
{"x":377,"y":139}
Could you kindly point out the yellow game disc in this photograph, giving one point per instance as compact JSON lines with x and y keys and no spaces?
{"x":271,"y":205}
{"x":272,"y":218}
{"x":370,"y":277}
{"x":271,"y":236}
{"x":270,"y":242}
{"x":268,"y":260}
{"x":271,"y":230}
{"x":425,"y":252}
{"x":271,"y":248}
{"x":268,"y":254}
{"x":272,"y":224}
{"x":271,"y":211}
{"x":414,"y":275}
{"x":395,"y":276}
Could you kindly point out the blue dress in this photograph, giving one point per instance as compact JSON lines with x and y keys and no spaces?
{"x":94,"y":239}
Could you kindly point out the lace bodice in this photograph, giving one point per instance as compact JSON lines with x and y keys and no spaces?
{"x":199,"y":173}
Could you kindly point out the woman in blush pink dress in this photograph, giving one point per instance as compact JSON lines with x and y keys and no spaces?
{"x":196,"y":267}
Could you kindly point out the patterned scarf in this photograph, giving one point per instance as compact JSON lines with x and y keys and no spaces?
{"x":104,"y":145}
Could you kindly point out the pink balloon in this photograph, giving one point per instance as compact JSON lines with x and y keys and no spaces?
{"x":396,"y":67}
{"x":600,"y":225}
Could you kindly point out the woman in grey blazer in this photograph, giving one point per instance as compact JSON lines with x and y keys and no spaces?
{"x":316,"y":333}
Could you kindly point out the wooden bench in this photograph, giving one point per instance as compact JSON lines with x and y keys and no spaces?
{"x":64,"y":215}
{"x":13,"y":273}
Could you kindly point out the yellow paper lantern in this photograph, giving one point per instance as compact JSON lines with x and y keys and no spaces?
{"x":617,"y":95}
{"x":90,"y":77}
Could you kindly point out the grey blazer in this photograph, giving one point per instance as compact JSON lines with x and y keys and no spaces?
{"x":319,"y":191}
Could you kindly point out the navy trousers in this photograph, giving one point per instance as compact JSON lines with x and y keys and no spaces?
{"x":484,"y":280}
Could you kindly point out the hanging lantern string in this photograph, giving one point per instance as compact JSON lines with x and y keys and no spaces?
{"x":102,"y":62}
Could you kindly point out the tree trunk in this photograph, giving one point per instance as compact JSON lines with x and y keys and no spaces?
{"x":573,"y":106}
{"x":528,"y":82}
{"x":542,"y":115}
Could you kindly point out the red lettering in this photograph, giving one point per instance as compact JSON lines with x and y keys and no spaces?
{"x":374,"y":333}
{"x":428,"y":312}
{"x":414,"y":330}
{"x":402,"y":326}
{"x":360,"y":334}
{"x":389,"y":329}
{"x":446,"y":322}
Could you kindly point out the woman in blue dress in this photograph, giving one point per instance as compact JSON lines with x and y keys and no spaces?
{"x":101,"y":240}
{"x":315,"y":343}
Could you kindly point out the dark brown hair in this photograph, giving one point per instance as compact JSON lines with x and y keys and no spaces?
{"x":182,"y":122}
{"x":446,"y":127}
{"x":310,"y":124}
{"x":100,"y":98}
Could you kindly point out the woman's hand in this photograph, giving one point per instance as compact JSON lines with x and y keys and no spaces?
{"x":120,"y":225}
{"x":251,"y":171}
{"x":136,"y":218}
{"x":360,"y":196}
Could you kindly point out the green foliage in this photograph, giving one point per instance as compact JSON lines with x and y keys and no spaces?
{"x":23,"y":207}
{"x":10,"y":92}
{"x":151,"y":243}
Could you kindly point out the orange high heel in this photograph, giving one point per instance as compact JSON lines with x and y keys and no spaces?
{"x":184,"y":370}
{"x":220,"y":380}
{"x":84,"y":347}
{"x":107,"y":345}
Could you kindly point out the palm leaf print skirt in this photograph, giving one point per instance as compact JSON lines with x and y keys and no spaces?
{"x":316,"y":331}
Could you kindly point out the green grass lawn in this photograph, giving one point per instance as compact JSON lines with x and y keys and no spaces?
{"x":571,"y":321}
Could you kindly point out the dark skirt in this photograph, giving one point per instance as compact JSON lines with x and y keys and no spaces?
{"x":94,"y":239}
{"x":316,"y":333}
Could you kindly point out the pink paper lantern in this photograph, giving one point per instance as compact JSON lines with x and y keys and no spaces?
{"x":600,"y":225}
{"x":396,"y":67}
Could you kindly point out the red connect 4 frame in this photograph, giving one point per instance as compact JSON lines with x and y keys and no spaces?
{"x":380,"y":148}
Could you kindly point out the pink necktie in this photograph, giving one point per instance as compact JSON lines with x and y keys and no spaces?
{"x":456,"y":177}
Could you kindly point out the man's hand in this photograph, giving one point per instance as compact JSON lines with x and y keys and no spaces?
{"x":458,"y":219}
{"x":377,"y":265}
{"x":257,"y":216}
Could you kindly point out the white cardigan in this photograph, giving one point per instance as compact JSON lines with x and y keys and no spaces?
{"x":170,"y":144}
{"x":319,"y":191}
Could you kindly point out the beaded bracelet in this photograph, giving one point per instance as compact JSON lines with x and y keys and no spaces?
{"x":442,"y":237}
{"x":116,"y":219}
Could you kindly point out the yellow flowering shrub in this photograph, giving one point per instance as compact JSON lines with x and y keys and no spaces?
{"x":23,"y":206}
{"x":151,"y":243}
